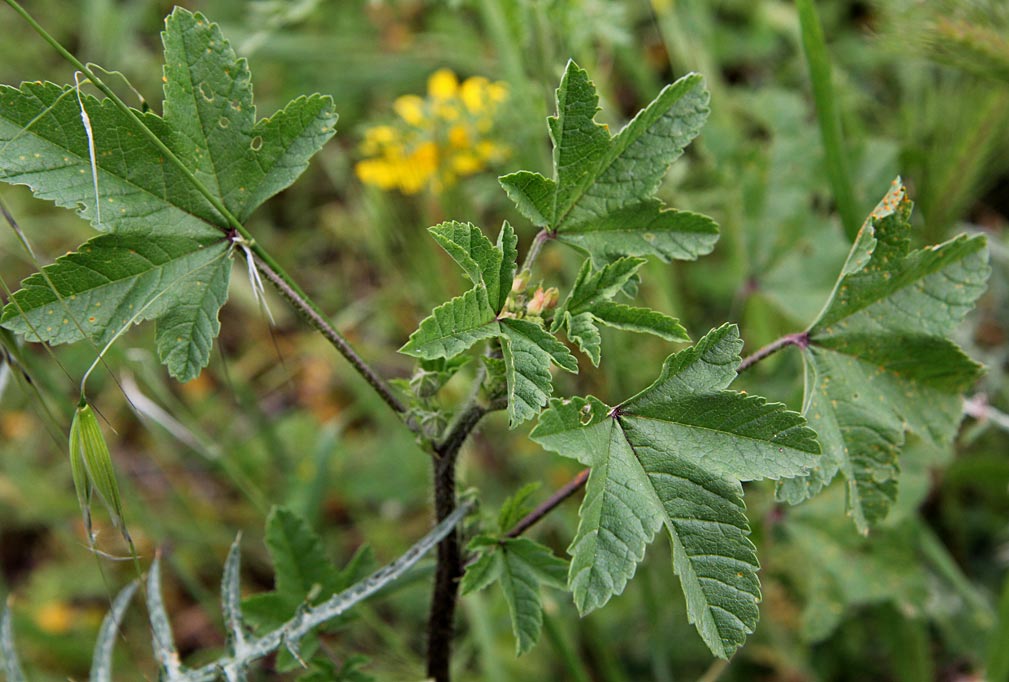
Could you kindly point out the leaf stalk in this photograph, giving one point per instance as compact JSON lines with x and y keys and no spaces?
{"x":800,"y":339}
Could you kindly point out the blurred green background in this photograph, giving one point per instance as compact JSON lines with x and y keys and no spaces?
{"x":280,"y":419}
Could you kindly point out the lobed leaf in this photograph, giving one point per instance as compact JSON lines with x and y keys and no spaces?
{"x":674,"y":455}
{"x":589,"y":303}
{"x":117,"y":280}
{"x":528,"y":351}
{"x":520,"y":566}
{"x":879,"y":361}
{"x":600,"y":197}
{"x":154,"y":211}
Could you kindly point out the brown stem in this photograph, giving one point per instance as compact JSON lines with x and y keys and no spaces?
{"x":800,"y":339}
{"x":548,"y":505}
{"x":449,"y":570}
{"x":308,"y":310}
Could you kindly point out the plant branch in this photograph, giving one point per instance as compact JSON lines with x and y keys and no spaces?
{"x":800,"y":339}
{"x":267,"y":265}
{"x":548,"y":505}
{"x":308,"y":309}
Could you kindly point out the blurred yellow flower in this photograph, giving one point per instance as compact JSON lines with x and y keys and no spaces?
{"x":436,"y":139}
{"x":55,"y":618}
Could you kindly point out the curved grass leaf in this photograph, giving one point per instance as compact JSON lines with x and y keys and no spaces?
{"x":165,"y":651}
{"x":674,"y":456}
{"x":878,"y":361}
{"x":599,"y":199}
{"x":8,"y":651}
{"x":210,"y":124}
{"x":117,"y":280}
{"x":231,"y":599}
{"x":101,"y":659}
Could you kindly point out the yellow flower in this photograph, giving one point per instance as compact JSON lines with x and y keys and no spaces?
{"x":473,"y":94}
{"x":442,"y":85}
{"x":436,"y":139}
{"x":410,"y":108}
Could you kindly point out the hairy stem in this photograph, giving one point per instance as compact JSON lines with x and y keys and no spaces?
{"x":551,"y":503}
{"x":800,"y":339}
{"x":440,"y":627}
{"x":308,"y":309}
{"x":541,"y":238}
{"x":267,"y":265}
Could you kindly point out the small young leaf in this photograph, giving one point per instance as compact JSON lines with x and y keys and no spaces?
{"x":879,"y":360}
{"x":521,"y":566}
{"x":300,"y":563}
{"x":528,"y":351}
{"x":516,"y":506}
{"x":456,"y":325}
{"x":482,"y":261}
{"x":674,"y":455}
{"x":589,"y":302}
{"x":599,"y":200}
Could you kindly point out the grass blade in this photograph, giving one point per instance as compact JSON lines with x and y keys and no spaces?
{"x":828,"y":116}
{"x":161,"y":628}
{"x":101,"y":662}
{"x":11,"y":664}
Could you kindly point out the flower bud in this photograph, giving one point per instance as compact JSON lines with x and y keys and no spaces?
{"x":520,"y":282}
{"x":543,"y":300}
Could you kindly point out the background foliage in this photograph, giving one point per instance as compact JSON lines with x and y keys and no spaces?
{"x":279,"y":420}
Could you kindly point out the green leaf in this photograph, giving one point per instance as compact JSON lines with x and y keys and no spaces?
{"x":600,"y":198}
{"x":589,"y":303}
{"x":516,"y":506}
{"x":521,"y":566}
{"x":299,"y":559}
{"x":879,"y":361}
{"x":210,"y":124}
{"x":674,"y":455}
{"x":482,"y":261}
{"x":841,"y":570}
{"x":528,"y":351}
{"x":456,"y":325}
{"x":115,"y":281}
